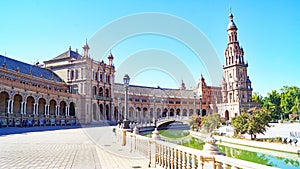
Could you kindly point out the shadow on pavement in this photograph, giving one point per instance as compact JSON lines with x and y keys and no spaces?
{"x":18,"y":130}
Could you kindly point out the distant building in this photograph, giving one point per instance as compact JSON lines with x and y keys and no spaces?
{"x":73,"y":87}
{"x":92,"y":81}
{"x":236,"y":84}
{"x":31,"y":95}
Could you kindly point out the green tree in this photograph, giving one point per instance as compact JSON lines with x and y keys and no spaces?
{"x":290,"y":96}
{"x":256,"y":97}
{"x":252,"y":122}
{"x":272,"y":104}
{"x":211,"y":122}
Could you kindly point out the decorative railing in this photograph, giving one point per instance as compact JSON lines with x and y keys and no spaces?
{"x":178,"y":118}
{"x":162,"y":154}
{"x":103,"y":98}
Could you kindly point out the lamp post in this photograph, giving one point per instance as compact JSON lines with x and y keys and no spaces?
{"x":126,"y":80}
{"x":119,"y":111}
{"x":194,"y":102}
{"x":154,"y":112}
{"x":298,"y":112}
{"x":240,"y":96}
{"x":162,"y":108}
{"x":200,"y":97}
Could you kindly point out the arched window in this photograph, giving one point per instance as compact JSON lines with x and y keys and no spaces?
{"x":107,"y":92}
{"x":101,"y":91}
{"x":94,"y":90}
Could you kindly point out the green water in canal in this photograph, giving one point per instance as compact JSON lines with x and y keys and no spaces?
{"x":182,"y":137}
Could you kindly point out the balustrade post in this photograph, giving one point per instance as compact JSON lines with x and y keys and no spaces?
{"x":201,"y":162}
{"x":194,"y":160}
{"x":124,"y":137}
{"x":155,"y":134}
{"x":156,"y":154}
{"x":225,"y":166}
{"x":135,"y":132}
{"x":168,"y":157}
{"x":175,"y":159}
{"x":149,"y":153}
{"x":172,"y":158}
{"x":165,"y":156}
{"x":188,"y":160}
{"x":183,"y":163}
{"x":131,"y":141}
{"x":218,"y":165}
{"x":159,"y":154}
{"x":179,"y":158}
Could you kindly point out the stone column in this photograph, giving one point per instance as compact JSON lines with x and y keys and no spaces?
{"x":66,"y":111}
{"x":22,"y":103}
{"x":34,"y":108}
{"x":56,"y":110}
{"x":25,"y":107}
{"x":37,"y":109}
{"x":11,"y":106}
{"x":45,"y":109}
{"x":8,"y":107}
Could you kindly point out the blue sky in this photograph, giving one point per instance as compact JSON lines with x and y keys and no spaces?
{"x":268,"y":31}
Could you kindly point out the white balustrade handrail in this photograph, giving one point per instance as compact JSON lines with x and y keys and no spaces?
{"x":169,"y":155}
{"x":240,"y":163}
{"x":172,"y":118}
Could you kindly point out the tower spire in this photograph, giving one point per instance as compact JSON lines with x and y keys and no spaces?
{"x":235,"y":86}
{"x":110,"y":59}
{"x":234,"y":54}
{"x":86,"y":49}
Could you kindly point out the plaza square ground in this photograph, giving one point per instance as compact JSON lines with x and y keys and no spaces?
{"x":93,"y":147}
{"x":84,"y":147}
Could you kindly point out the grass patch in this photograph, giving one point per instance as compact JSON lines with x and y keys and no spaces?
{"x":174,"y":133}
{"x":195,"y":143}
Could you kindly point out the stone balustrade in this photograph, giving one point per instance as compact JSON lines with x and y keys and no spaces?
{"x":173,"y":118}
{"x":161,"y":154}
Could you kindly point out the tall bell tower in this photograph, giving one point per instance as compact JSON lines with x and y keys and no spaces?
{"x":236,"y":84}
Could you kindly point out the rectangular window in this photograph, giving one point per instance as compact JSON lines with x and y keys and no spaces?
{"x":93,"y":74}
{"x":76,"y":74}
{"x":82,"y":73}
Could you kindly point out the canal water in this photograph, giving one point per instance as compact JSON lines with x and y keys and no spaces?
{"x":266,"y":157}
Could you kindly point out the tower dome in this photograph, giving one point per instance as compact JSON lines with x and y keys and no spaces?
{"x":231,"y":24}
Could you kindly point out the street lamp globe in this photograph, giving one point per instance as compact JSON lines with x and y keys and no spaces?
{"x":126,"y":79}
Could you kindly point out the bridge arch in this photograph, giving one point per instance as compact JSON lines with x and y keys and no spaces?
{"x":167,"y":123}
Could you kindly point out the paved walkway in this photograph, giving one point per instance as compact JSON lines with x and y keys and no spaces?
{"x":87,"y":147}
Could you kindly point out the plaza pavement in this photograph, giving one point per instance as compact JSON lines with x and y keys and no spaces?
{"x":65,"y":147}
